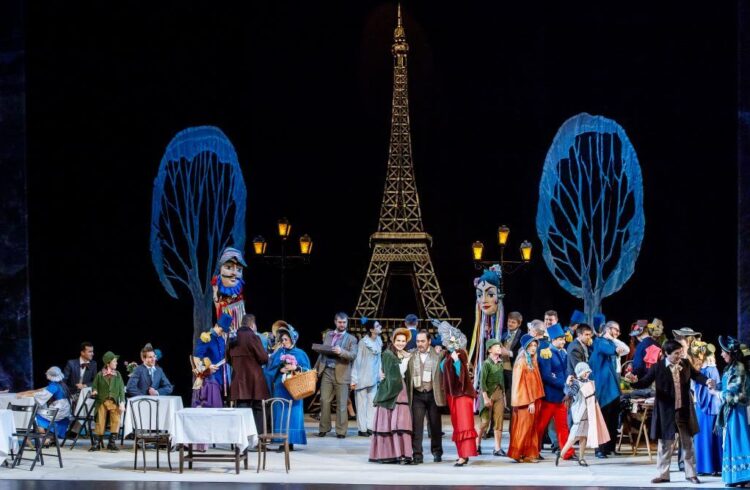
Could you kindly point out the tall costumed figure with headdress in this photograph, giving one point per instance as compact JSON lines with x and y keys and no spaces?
{"x":488,"y":325}
{"x":228,"y":286}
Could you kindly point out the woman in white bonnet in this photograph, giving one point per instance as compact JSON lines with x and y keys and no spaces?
{"x":56,"y":395}
{"x":588,"y":424}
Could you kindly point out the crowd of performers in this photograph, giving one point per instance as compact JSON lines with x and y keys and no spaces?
{"x":566,"y":383}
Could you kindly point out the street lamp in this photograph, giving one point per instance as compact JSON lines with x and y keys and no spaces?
{"x":506,"y":266}
{"x":478,"y":249}
{"x":284,"y":260}
{"x":284,"y":228}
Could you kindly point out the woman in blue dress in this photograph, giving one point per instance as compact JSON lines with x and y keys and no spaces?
{"x":54,"y":395}
{"x":707,"y":405}
{"x":733,"y":418}
{"x":286,"y":359}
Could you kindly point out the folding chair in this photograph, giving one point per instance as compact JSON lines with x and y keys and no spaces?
{"x":121,"y":430}
{"x":29,"y":416}
{"x":267,"y":435}
{"x":145,"y":414}
{"x":40,"y":438}
{"x":85,"y":417}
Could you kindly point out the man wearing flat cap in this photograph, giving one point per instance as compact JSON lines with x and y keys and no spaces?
{"x":492,"y":389}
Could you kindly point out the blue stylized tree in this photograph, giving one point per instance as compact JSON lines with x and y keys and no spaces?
{"x":590,"y":216}
{"x":198,"y":210}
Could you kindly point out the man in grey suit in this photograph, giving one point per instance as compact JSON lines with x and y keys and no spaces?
{"x":148,"y":378}
{"x":578,"y":350}
{"x":425,"y":389}
{"x":334,"y":368}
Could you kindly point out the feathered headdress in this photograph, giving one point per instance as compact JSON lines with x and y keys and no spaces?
{"x":453,"y":338}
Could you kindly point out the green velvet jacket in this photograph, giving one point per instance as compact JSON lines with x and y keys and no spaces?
{"x":113,"y":388}
{"x":392,"y":384}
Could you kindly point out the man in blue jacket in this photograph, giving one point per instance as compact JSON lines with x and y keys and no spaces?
{"x":603,"y":364}
{"x":148,"y":378}
{"x":553,"y":366}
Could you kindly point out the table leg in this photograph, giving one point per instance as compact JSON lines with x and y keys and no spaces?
{"x":640,"y":432}
{"x":237,"y":459}
{"x":190,"y":456}
{"x":182,"y":456}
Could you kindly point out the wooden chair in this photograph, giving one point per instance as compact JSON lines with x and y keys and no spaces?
{"x":275,"y":420}
{"x":636,"y":426}
{"x":145,"y":414}
{"x":39,"y":438}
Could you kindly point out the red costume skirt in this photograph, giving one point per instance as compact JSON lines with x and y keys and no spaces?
{"x":462,"y":419}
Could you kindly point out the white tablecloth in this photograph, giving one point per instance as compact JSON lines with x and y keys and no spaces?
{"x":168,"y":407}
{"x":21,"y":419}
{"x":215,"y":426}
{"x":83,"y":396}
{"x":7,"y":429}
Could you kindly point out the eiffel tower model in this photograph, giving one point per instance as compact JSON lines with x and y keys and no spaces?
{"x":400,"y":246}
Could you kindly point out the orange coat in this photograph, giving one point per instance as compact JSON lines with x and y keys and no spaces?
{"x":527,"y":384}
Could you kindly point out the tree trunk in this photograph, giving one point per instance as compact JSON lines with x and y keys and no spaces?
{"x":202,"y":313}
{"x":591,"y":306}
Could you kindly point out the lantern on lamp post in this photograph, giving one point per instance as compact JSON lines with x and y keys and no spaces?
{"x":284,"y":261}
{"x":507,"y":266}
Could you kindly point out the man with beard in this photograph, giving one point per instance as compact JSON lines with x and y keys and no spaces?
{"x":425,"y":390}
{"x":334,"y":368}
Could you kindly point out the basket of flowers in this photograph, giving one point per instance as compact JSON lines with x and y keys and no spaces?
{"x":300,"y":384}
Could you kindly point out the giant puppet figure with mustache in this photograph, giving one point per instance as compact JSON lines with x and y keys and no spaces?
{"x":489,"y":319}
{"x":228,"y":286}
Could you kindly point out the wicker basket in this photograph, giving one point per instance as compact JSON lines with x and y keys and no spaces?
{"x":301,"y":385}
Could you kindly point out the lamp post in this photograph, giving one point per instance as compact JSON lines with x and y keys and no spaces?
{"x":284,"y":260}
{"x":506,"y":266}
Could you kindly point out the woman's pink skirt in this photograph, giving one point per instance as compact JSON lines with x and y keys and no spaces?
{"x":392,"y":431}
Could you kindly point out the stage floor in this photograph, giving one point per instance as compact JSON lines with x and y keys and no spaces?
{"x":335,"y":461}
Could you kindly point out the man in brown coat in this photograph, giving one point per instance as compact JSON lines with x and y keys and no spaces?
{"x":335,"y":373}
{"x":247,"y":356}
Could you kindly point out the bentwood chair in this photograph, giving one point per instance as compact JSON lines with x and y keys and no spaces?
{"x":145,"y":414}
{"x":275,"y":420}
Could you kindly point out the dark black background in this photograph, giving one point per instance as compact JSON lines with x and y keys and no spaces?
{"x":303,"y":89}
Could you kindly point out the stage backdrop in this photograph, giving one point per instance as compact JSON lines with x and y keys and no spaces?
{"x":15,"y":334}
{"x":743,"y":157}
